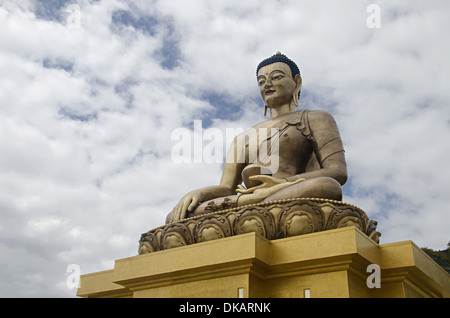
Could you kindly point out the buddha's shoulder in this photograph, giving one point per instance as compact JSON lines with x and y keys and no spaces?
{"x":319,"y":117}
{"x":318,"y":113}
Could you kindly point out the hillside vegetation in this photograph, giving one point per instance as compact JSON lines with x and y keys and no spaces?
{"x":440,"y":257}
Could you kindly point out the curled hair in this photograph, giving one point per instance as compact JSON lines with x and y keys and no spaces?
{"x":280,"y":58}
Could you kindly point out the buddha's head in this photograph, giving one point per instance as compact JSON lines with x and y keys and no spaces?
{"x":279,"y":81}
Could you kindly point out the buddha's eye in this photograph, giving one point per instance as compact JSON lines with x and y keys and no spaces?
{"x":261,"y":82}
{"x":277,"y":77}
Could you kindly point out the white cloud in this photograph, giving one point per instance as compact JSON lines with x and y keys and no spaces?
{"x":87,"y":115}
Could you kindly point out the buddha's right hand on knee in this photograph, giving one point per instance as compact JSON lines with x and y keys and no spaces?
{"x":186,"y":204}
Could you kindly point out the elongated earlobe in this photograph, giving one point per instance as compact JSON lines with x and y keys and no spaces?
{"x":293,"y":106}
{"x":295,"y":99}
{"x":296,"y":94}
{"x":265,"y":110}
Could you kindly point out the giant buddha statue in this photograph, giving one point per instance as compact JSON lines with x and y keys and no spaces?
{"x":311,"y":159}
{"x":289,"y":184}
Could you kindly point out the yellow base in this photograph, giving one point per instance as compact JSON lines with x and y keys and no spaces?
{"x":324,"y":264}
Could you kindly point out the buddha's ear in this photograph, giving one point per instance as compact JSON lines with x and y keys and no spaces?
{"x":298,"y":87}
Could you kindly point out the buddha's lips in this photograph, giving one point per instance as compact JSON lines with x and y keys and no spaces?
{"x":270,"y":91}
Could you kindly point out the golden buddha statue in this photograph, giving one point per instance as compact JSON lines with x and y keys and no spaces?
{"x":310,"y":159}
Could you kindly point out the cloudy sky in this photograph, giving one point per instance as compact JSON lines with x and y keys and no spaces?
{"x":91,"y":92}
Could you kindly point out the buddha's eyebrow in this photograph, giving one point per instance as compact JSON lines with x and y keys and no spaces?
{"x":271,"y":73}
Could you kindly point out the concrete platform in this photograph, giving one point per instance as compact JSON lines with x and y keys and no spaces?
{"x":328,"y":264}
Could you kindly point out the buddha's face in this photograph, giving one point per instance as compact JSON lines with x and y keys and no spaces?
{"x":276,"y":84}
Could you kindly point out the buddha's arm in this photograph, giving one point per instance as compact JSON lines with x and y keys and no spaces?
{"x":231,"y":177}
{"x":328,"y":149}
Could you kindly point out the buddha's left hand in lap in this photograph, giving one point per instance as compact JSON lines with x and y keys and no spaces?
{"x":268,"y":186}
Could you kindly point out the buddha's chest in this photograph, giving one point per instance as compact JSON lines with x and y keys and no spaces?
{"x":287,"y":142}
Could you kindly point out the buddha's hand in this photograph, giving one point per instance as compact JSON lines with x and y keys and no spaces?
{"x":186,"y":204}
{"x":264,"y":182}
{"x":269,"y":185}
